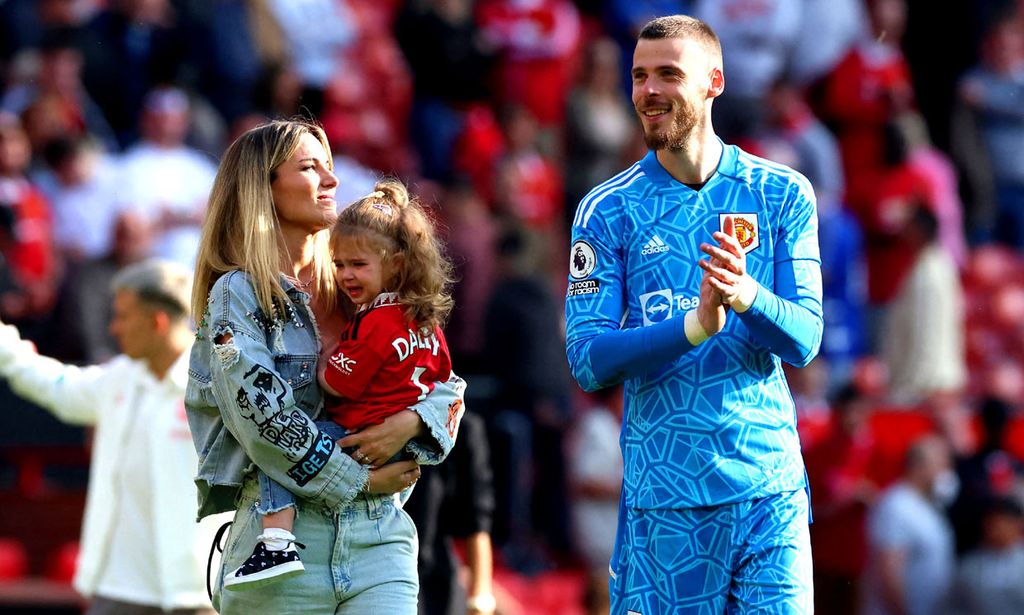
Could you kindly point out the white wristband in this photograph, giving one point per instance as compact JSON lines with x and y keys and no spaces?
{"x":747,"y":294}
{"x":695,"y":333}
{"x":484,"y":603}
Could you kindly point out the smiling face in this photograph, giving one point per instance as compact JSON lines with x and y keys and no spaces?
{"x":362,"y":271}
{"x":673,"y":83}
{"x":303,"y":187}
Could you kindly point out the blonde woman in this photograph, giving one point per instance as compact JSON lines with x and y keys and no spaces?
{"x":266,"y":302}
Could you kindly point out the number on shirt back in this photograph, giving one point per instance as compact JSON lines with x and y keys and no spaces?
{"x":416,"y":373}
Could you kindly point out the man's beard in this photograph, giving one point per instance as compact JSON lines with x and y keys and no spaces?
{"x":674,"y":138}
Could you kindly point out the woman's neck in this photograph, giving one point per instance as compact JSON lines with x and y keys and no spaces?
{"x":297,"y":254}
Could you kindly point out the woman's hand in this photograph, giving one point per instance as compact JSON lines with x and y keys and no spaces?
{"x":378,"y":443}
{"x":393,"y":477}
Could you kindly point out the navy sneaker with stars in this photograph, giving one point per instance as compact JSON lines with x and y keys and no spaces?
{"x":264,"y":567}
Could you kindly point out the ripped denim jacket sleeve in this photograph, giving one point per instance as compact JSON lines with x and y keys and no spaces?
{"x":441,"y":412}
{"x":257,"y":403}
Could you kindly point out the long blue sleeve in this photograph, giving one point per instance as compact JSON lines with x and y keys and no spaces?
{"x":789,"y":321}
{"x":617,"y":355}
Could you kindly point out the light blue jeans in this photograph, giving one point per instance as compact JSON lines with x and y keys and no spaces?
{"x":360,"y":559}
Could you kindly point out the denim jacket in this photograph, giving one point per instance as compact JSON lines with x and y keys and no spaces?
{"x":253,"y":400}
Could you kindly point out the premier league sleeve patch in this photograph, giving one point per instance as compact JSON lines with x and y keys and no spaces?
{"x":582,"y":262}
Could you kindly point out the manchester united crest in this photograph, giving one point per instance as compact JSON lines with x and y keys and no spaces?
{"x":745,"y":230}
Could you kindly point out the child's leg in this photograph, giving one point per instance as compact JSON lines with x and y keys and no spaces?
{"x":283,"y":519}
{"x":277,"y":506}
{"x":274,"y":556}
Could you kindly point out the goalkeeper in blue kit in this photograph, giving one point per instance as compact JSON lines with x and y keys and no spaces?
{"x":692,"y":275}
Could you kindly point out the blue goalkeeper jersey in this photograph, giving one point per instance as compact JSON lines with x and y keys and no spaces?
{"x":715,"y":423}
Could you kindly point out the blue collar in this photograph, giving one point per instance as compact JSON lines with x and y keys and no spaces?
{"x":660,"y":177}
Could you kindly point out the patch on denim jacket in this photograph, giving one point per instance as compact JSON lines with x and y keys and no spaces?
{"x":265,"y":397}
{"x":314,"y":460}
{"x":454,"y":415}
{"x":262,"y":403}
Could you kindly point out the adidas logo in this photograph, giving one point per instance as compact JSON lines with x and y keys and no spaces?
{"x":654,"y":246}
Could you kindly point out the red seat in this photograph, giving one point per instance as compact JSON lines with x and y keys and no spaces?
{"x":62,"y":563}
{"x":13,"y":560}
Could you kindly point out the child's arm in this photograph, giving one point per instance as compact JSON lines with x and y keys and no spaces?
{"x":321,"y":376}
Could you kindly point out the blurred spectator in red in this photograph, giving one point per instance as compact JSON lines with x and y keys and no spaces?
{"x":864,"y":92}
{"x":990,"y":472}
{"x":54,"y":94}
{"x":595,"y":469}
{"x":478,"y":149}
{"x":940,"y":184}
{"x":991,"y":92}
{"x":922,"y":338}
{"x":838,"y":470}
{"x":897,"y":190}
{"x":528,"y":188}
{"x":373,"y":133}
{"x":988,"y":580}
{"x":599,"y":123}
{"x":528,"y":185}
{"x":537,"y":41}
{"x":760,"y":38}
{"x":910,"y":543}
{"x":29,"y":271}
{"x":470,"y":233}
{"x":166,"y":181}
{"x":451,"y":65}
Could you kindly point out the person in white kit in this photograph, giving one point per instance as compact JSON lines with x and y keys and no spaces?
{"x":142,"y":552}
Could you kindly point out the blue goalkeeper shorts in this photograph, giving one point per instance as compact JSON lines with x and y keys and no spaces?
{"x":747,"y":557}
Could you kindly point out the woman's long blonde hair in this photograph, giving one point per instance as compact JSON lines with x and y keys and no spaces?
{"x":241,"y":229}
{"x":397,"y":225}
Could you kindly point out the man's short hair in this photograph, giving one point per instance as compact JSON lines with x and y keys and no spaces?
{"x":161,"y":284}
{"x":684,"y":27}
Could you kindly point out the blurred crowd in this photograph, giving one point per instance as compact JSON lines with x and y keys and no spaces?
{"x":502,"y":114}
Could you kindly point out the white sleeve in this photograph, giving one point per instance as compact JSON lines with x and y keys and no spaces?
{"x":70,"y":393}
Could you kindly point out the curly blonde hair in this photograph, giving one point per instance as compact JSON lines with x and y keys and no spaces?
{"x":394,"y":224}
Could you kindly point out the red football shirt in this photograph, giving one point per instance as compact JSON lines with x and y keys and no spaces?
{"x":383,"y":364}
